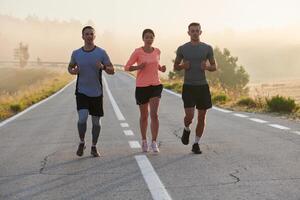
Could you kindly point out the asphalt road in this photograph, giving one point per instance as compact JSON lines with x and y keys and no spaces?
{"x":245,"y":155}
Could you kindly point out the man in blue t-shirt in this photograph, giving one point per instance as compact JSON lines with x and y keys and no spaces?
{"x":87,"y":63}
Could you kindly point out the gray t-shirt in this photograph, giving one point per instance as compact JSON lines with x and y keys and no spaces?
{"x":89,"y":77}
{"x":195,"y":54}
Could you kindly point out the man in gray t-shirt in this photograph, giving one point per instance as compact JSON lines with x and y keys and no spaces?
{"x":192,"y":57}
{"x":87,"y":63}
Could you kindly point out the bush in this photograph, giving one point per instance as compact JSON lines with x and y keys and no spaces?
{"x":247,"y":101}
{"x":220,"y":98}
{"x":15,"y":107}
{"x":281,"y":104}
{"x":176,"y":86}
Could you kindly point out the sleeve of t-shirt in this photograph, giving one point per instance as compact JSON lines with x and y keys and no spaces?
{"x":105,"y":59}
{"x":133,"y":59}
{"x":210,"y":54}
{"x":73,"y":60}
{"x":179,"y":54}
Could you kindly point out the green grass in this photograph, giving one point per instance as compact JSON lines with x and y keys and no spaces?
{"x":284,"y":106}
{"x":24,"y":87}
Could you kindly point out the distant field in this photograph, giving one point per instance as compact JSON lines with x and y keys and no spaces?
{"x":288,"y":88}
{"x":14,"y":79}
{"x":20,"y":88}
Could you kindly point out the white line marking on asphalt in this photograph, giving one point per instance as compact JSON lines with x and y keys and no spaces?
{"x":156,"y":187}
{"x":134,"y":144}
{"x":222,"y":110}
{"x":128,"y":132}
{"x":34,"y":105}
{"x":297,"y":132}
{"x":279,"y":126}
{"x":240,"y":115}
{"x":258,"y":120}
{"x":171,"y":92}
{"x":113,"y":102}
{"x":124,"y":125}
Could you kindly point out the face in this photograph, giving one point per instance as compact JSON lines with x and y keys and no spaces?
{"x":88,"y":36}
{"x":194,"y":32}
{"x":148,"y":39}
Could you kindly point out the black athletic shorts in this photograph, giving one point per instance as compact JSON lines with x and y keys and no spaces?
{"x":196,"y":95}
{"x":143,"y":94}
{"x":93,"y":104}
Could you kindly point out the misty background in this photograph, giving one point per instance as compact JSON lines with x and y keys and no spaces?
{"x":267,"y":54}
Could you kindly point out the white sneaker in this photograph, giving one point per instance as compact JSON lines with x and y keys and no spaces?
{"x":154,"y":147}
{"x":145,"y":146}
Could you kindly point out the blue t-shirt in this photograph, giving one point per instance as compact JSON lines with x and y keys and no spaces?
{"x":89,"y":77}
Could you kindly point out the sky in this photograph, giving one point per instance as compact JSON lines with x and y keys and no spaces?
{"x":263,"y":34}
{"x":164,"y":15}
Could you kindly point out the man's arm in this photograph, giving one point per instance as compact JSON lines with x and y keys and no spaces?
{"x":109,"y":69}
{"x":211,"y":67}
{"x":179,"y":66}
{"x":213,"y":64}
{"x":73,"y":69}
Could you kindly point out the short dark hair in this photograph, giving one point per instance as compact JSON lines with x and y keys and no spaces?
{"x":148,"y":31}
{"x":86,"y":27}
{"x":194,"y":24}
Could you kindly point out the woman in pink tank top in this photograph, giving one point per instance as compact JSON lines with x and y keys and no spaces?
{"x":148,"y":86}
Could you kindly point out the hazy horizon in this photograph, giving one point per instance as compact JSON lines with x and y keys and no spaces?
{"x":263,"y":35}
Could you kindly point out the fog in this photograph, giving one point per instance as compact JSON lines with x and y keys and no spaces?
{"x":267,"y":54}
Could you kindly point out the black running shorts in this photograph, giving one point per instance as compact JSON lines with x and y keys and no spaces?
{"x":196,"y":95}
{"x":143,"y":94}
{"x":93,"y":104}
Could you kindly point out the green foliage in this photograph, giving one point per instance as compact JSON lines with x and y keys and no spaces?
{"x":176,"y":86}
{"x":220,"y":99}
{"x":15,"y":107}
{"x":230,"y":76}
{"x":281,"y":104}
{"x":248,"y":102}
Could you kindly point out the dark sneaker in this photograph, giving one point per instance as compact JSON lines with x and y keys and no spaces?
{"x":94,"y":152}
{"x":80,"y":149}
{"x":196,"y":149}
{"x":185,"y":137}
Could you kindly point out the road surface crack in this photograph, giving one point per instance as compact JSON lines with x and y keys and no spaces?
{"x":233,"y":175}
{"x":44,"y":162}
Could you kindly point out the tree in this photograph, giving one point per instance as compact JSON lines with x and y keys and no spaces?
{"x":21,"y":54}
{"x":229,"y":76}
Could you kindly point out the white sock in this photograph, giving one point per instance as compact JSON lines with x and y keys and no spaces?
{"x":197,"y":139}
{"x":187,"y":128}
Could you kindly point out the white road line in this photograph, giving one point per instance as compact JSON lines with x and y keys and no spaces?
{"x":34,"y":105}
{"x":124,"y":125}
{"x":222,"y":110}
{"x":155,"y":186}
{"x":157,"y":189}
{"x":134,"y":144}
{"x":171,"y":92}
{"x":296,"y":132}
{"x":113,"y":102}
{"x":279,"y":126}
{"x":240,"y":115}
{"x":258,"y":120}
{"x":128,"y":132}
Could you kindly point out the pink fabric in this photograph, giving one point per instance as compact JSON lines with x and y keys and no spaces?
{"x":149,"y":74}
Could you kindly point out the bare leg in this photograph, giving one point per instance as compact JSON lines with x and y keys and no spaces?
{"x":189,"y":115}
{"x":143,"y":119}
{"x":154,"y":103}
{"x":201,"y":122}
